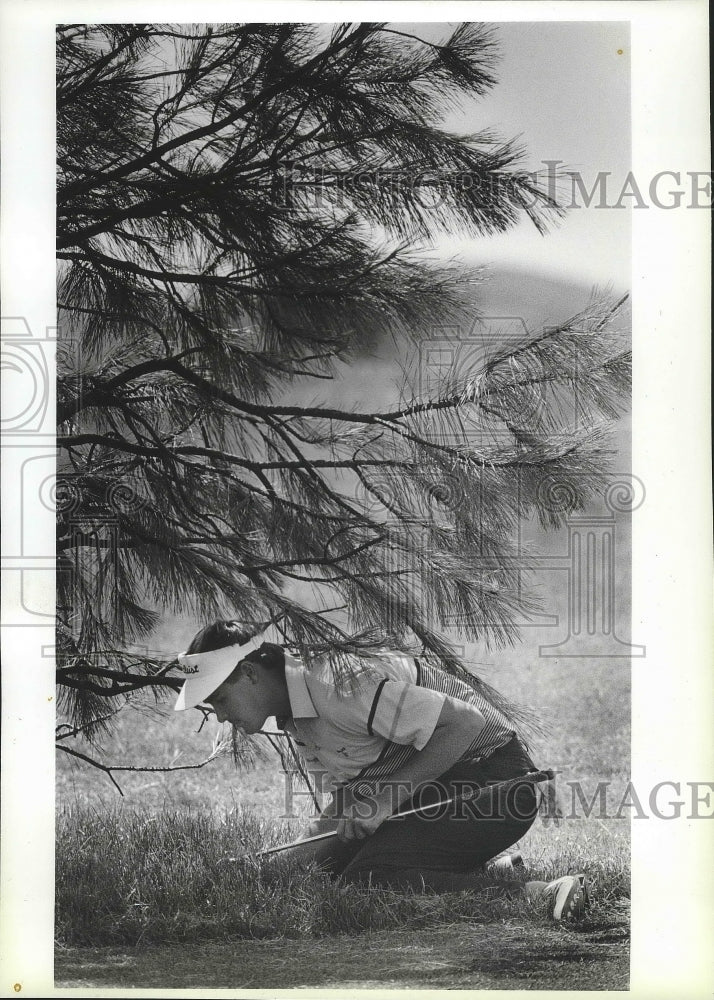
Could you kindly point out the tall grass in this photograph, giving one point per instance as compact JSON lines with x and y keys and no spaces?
{"x":129,"y":877}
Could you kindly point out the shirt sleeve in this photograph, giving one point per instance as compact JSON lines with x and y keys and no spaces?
{"x":397,"y":710}
{"x":404,"y":713}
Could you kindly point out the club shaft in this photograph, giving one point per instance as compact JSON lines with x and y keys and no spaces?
{"x":531,"y":776}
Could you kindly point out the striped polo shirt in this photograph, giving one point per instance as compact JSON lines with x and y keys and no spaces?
{"x":383,"y":714}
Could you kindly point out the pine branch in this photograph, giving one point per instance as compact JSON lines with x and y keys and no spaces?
{"x":111,"y":769}
{"x":193,"y":135}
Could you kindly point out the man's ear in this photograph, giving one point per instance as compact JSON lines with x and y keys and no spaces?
{"x":248,"y":669}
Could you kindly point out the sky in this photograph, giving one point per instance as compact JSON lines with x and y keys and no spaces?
{"x":564,"y":91}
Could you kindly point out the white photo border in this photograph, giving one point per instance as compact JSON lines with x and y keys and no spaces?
{"x":673,"y":687}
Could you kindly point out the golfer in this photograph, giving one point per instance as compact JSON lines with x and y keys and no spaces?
{"x":398,"y":734}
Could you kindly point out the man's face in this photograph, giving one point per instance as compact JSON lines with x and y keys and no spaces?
{"x":242,"y":700}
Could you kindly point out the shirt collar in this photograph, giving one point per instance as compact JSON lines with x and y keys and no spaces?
{"x":301,"y":703}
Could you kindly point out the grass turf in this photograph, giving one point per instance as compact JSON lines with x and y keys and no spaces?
{"x":129,"y":878}
{"x":454,"y":954}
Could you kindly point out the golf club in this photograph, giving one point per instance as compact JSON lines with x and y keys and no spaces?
{"x":530,"y":776}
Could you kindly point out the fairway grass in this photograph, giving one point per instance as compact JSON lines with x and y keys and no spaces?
{"x":130,"y":878}
{"x":155,"y":901}
{"x":460,"y":954}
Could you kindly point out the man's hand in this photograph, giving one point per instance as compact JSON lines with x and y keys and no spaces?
{"x":323,"y":824}
{"x":352,"y":818}
{"x":364,"y":818}
{"x":458,"y":725}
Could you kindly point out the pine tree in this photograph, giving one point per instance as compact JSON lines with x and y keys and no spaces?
{"x":239,"y":207}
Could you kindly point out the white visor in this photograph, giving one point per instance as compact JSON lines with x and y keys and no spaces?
{"x":207,"y":671}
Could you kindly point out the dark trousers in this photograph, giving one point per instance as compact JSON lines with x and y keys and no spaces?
{"x":428,"y":850}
